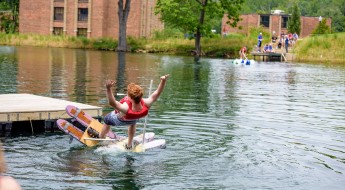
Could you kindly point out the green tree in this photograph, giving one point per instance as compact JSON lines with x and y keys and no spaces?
{"x":194,"y":16}
{"x":322,"y":28}
{"x":9,"y":20}
{"x":263,"y":6}
{"x":294,"y":24}
{"x":123,"y":12}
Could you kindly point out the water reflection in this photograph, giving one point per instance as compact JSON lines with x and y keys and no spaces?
{"x":8,"y":69}
{"x":120,"y":79}
{"x":262,"y":126}
{"x":73,"y":74}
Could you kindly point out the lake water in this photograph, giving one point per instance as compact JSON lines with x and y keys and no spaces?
{"x":227,"y":126}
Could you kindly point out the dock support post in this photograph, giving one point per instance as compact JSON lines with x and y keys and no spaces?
{"x":50,"y":125}
{"x":6,"y":128}
{"x":99,"y":118}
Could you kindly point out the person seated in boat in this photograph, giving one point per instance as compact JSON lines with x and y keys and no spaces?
{"x":129,"y":109}
{"x":6,"y":182}
{"x":243,"y":52}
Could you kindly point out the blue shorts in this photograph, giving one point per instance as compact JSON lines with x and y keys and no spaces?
{"x":113,"y":120}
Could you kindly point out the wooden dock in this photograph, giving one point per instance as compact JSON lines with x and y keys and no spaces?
{"x":269,"y":56}
{"x":28,"y":108}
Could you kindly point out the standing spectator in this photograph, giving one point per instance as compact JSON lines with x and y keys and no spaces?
{"x":260,"y":41}
{"x":274,"y":39}
{"x":280,"y":42}
{"x":295,"y":36}
{"x":286,"y":43}
{"x":6,"y":182}
{"x":290,"y":36}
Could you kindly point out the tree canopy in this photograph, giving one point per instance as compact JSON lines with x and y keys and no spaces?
{"x":196,"y":16}
{"x":9,"y":22}
{"x":294,"y":21}
{"x":322,"y":28}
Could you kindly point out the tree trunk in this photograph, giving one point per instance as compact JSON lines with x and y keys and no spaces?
{"x":198,"y":30}
{"x":123,"y":16}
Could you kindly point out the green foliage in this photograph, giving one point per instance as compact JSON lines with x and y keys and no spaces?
{"x":295,"y":22}
{"x":186,"y":15}
{"x":338,"y":23}
{"x":322,"y":28}
{"x":104,"y":44}
{"x":262,"y":6}
{"x":321,"y":48}
{"x":9,"y":16}
{"x":136,"y":43}
{"x":254,"y":32}
{"x":85,"y":41}
{"x":168,"y":33}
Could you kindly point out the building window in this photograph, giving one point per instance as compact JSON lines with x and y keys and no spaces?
{"x":83,"y":1}
{"x":265,"y":20}
{"x":58,"y":0}
{"x":83,"y":14}
{"x":58,"y":31}
{"x":82,"y":32}
{"x":285,"y":20}
{"x":58,"y":13}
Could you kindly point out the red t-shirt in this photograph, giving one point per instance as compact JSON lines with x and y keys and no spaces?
{"x":132,"y":115}
{"x":244,"y":50}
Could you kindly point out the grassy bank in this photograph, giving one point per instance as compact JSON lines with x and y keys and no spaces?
{"x":321,"y":49}
{"x":327,"y":48}
{"x":212,"y":47}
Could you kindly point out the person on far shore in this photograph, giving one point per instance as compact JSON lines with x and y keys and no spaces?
{"x":265,"y":48}
{"x":280,"y":43}
{"x":6,"y":182}
{"x":295,"y":36}
{"x":287,"y":43}
{"x":259,"y":42}
{"x":270,"y":47}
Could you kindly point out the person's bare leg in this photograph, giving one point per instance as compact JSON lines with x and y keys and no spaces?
{"x":131,"y":133}
{"x":104,"y":131}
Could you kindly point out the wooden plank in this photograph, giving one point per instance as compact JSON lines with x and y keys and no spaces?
{"x":24,"y":107}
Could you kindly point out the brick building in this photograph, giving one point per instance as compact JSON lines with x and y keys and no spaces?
{"x":276,"y":22}
{"x":90,"y":18}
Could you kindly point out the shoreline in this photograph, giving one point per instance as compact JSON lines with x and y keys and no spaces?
{"x":309,"y":50}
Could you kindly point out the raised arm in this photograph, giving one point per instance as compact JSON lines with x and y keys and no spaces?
{"x":111,"y":99}
{"x":155,"y":95}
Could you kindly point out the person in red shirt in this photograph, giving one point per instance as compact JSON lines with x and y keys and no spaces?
{"x":129,"y":109}
{"x":243,"y":52}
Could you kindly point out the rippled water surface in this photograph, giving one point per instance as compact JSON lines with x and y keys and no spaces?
{"x":227,"y":126}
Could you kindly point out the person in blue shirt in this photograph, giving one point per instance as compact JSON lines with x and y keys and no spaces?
{"x":266,"y":48}
{"x":259,"y":41}
{"x":270,"y":47}
{"x":286,"y":43}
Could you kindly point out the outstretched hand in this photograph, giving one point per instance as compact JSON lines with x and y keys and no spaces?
{"x":109,"y":83}
{"x":164,"y":77}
